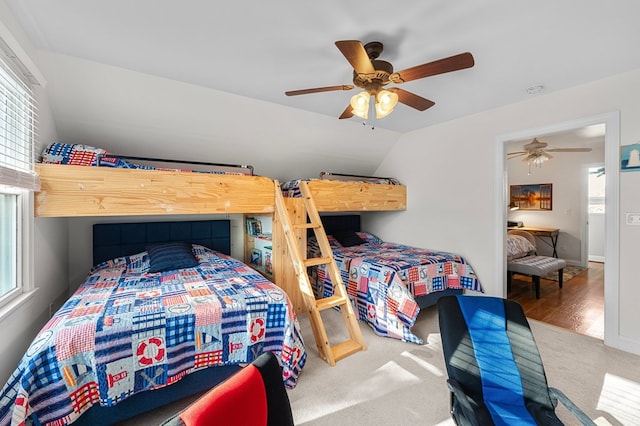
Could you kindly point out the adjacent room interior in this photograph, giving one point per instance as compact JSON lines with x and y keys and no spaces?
{"x":572,"y":164}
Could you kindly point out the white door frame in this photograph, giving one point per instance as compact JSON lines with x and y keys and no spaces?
{"x":612,"y":226}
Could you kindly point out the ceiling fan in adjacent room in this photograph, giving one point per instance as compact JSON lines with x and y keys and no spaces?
{"x":372,"y":75}
{"x":536,"y":152}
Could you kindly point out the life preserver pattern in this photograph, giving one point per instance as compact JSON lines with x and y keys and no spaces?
{"x":125,"y":331}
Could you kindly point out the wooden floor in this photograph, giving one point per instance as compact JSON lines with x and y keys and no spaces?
{"x":578,"y":306}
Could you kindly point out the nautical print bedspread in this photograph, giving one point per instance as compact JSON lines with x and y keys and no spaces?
{"x":85,"y":155}
{"x":382,"y":279}
{"x":126,"y":331}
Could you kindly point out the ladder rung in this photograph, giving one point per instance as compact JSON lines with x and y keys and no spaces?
{"x":330,"y":302}
{"x":346,"y":348}
{"x":305,"y":226}
{"x":315,"y":261}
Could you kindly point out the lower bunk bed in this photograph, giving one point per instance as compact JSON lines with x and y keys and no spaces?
{"x":388,"y":283}
{"x":161,"y":316}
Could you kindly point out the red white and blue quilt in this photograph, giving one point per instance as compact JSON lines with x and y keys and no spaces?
{"x":126,"y":331}
{"x":383,"y":279}
{"x":86,"y":155}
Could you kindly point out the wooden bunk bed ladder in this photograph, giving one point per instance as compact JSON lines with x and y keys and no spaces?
{"x":298,"y":253}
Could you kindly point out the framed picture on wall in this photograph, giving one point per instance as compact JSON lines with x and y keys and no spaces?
{"x":532,"y":197}
{"x":630,"y":158}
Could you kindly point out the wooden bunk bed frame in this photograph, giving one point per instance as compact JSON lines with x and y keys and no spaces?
{"x":74,"y":191}
{"x":71,"y":191}
{"x":337,"y":196}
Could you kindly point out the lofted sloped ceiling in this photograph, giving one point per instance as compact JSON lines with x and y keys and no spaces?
{"x":262,"y":49}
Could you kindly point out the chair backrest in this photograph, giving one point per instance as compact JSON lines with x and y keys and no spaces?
{"x":490,"y":351}
{"x":253,"y":396}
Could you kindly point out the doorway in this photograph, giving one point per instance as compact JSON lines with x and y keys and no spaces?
{"x":579,"y":305}
{"x":611,"y":150}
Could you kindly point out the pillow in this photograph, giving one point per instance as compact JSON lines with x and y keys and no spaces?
{"x":349,"y":239}
{"x":518,"y":246}
{"x":171,"y":256}
{"x":369,"y":238}
{"x":312,"y":243}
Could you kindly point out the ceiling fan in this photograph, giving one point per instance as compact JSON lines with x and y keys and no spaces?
{"x":372,"y":75}
{"x":536,"y":152}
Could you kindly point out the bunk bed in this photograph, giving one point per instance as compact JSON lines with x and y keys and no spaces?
{"x":74,"y":190}
{"x":115,"y":186}
{"x":388,"y":282}
{"x":413,"y":278}
{"x":84,"y":181}
{"x":164,"y":313}
{"x":335,"y":192}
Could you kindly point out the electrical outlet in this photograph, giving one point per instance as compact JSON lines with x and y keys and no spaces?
{"x":633,"y":218}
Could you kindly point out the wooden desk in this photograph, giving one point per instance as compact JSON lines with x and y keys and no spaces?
{"x":551,"y":233}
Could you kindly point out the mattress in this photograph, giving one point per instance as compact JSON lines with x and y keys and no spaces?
{"x":383,"y":280}
{"x":127,"y":330}
{"x":86,"y":155}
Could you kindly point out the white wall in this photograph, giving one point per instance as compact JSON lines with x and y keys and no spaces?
{"x":450,"y":172}
{"x":131,"y":113}
{"x":50,"y":251}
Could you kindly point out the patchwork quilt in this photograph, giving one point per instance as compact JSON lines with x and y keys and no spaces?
{"x":384,"y":278}
{"x":126,"y":330}
{"x":85,"y":155}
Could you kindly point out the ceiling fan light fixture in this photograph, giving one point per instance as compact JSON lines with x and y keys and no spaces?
{"x":386,"y":101}
{"x":537,"y":158}
{"x":360,"y":104}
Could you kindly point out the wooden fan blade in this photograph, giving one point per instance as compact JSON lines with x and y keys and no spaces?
{"x":568,"y":150}
{"x":411,"y":99}
{"x":441,"y":66}
{"x":318,"y":89}
{"x":511,"y":155}
{"x":357,"y":56}
{"x":347,"y":113}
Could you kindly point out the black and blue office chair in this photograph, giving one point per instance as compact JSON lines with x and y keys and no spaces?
{"x":495,"y":371}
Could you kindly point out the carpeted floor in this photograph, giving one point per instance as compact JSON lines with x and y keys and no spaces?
{"x":569,"y":272}
{"x":397,"y":383}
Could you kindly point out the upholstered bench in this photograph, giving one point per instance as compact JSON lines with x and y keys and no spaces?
{"x":536,"y":266}
{"x":522,"y":258}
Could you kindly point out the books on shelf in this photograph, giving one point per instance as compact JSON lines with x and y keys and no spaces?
{"x":255,"y":257}
{"x":268,"y":264}
{"x":254,"y":226}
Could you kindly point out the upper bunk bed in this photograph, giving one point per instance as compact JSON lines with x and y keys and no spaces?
{"x":336,"y":192}
{"x":122,"y":186}
{"x":125,"y":186}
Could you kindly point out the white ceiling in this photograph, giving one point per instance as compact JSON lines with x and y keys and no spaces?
{"x":261,"y":49}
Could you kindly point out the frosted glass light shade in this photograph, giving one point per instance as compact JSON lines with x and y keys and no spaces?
{"x":360,"y":104}
{"x":385,"y":103}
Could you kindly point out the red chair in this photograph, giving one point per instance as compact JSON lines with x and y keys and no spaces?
{"x":254,"y":395}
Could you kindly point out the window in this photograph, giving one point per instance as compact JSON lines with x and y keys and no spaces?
{"x":596,"y":190}
{"x":17,"y":177}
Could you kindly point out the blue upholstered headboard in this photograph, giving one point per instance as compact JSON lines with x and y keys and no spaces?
{"x":341,"y":223}
{"x":111,"y":240}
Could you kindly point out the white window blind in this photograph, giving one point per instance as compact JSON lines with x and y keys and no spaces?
{"x":17,"y":124}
